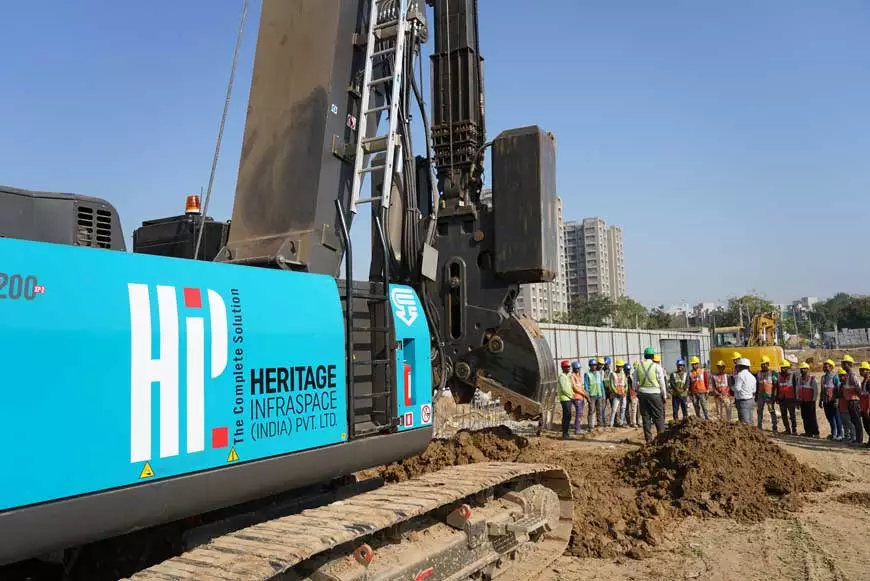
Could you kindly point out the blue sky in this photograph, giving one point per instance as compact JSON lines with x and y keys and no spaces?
{"x":729,"y":139}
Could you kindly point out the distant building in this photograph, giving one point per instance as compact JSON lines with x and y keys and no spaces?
{"x":543,"y":300}
{"x":595,"y":259}
{"x":805,"y":303}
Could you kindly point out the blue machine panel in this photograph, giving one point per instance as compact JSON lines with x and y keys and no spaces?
{"x":121,"y":368}
{"x":414,"y":369}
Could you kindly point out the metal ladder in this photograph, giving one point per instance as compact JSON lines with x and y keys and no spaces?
{"x":388,"y":21}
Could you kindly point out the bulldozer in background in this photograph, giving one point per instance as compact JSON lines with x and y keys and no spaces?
{"x":758,"y":342}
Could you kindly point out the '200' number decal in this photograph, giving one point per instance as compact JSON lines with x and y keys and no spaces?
{"x":16,"y":286}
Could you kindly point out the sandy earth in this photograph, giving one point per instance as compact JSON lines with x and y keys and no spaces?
{"x":826,"y":539}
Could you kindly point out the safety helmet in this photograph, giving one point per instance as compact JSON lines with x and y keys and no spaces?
{"x":865,"y":365}
{"x":848,"y":359}
{"x":806,"y":365}
{"x":575,"y":364}
{"x":830,"y":362}
{"x":736,"y":355}
{"x":765,"y":359}
{"x":566,"y":364}
{"x":593,"y":362}
{"x":649,"y":351}
{"x":601,"y":361}
{"x":720,"y":363}
{"x":841,"y":371}
{"x":627,"y":366}
{"x":608,"y":360}
{"x":744,"y":361}
{"x":657,"y":358}
{"x":694,"y":360}
{"x":680,"y":362}
{"x":785,"y":364}
{"x":620,"y":363}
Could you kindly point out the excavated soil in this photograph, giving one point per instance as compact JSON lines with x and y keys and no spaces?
{"x":624,"y":502}
{"x":856,"y":498}
{"x":715,"y":469}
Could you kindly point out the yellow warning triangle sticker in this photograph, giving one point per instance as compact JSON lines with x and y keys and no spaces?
{"x":233,"y":456}
{"x":146,"y":471}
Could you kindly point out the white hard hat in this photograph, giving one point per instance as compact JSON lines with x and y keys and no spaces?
{"x":744,"y":361}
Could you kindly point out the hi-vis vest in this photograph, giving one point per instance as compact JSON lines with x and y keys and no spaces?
{"x":720,"y":385}
{"x":805,"y":389}
{"x":850,"y":391}
{"x":828,"y":386}
{"x":594,"y":384}
{"x":786,"y":386}
{"x":765,"y":384}
{"x":619,"y":384}
{"x":679,"y":383}
{"x":647,"y":376}
{"x":699,"y":385}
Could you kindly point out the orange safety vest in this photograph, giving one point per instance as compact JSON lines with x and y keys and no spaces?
{"x":786,"y":387}
{"x":699,"y":381}
{"x":619,"y":384}
{"x":765,"y":384}
{"x":805,"y":389}
{"x":720,"y":385}
{"x":865,"y":397}
{"x":577,"y":384}
{"x":850,"y":391}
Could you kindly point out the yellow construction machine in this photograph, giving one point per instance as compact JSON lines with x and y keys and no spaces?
{"x":760,"y":341}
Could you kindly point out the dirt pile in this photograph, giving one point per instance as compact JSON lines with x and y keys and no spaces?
{"x":492,"y":444}
{"x":714,"y":469}
{"x":856,"y":498}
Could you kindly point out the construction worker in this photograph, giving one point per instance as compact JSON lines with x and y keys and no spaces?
{"x":850,"y":391}
{"x":631,"y":400}
{"x":807,"y":394}
{"x":595,"y":390}
{"x":766,"y":393}
{"x":829,"y":385}
{"x":735,"y":357}
{"x":745,"y":387}
{"x":865,"y":398}
{"x":580,"y":396}
{"x":785,"y":392}
{"x":619,"y":389}
{"x":721,"y":383}
{"x":651,"y":394}
{"x":843,"y":408}
{"x":607,"y":382}
{"x":566,"y":395}
{"x":699,"y":385}
{"x":679,"y":384}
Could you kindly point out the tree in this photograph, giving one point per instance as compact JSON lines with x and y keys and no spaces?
{"x":593,"y":312}
{"x":629,"y":314}
{"x":659,"y":319}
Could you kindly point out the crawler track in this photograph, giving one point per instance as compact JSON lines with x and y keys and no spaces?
{"x":504,"y":542}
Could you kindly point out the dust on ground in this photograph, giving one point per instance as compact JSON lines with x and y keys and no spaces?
{"x":675,"y":510}
{"x":856,"y":498}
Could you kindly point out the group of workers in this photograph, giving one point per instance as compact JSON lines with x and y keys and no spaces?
{"x":642,"y":390}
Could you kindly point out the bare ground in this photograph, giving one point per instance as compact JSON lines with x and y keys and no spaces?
{"x":825,"y":539}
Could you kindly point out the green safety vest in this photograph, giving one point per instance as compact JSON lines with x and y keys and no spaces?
{"x":566,"y":388}
{"x":646,"y":375}
{"x":679,"y":383}
{"x":594,"y":384}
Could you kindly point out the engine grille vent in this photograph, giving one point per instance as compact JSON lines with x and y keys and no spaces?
{"x":93,"y":227}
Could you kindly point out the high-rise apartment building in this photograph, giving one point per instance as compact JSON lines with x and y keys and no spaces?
{"x":616,"y":256}
{"x":544,"y":301}
{"x":595,"y":259}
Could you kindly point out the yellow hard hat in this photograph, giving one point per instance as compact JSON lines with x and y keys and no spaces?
{"x":620,"y":363}
{"x":785,"y":363}
{"x":848,"y":359}
{"x":841,"y":371}
{"x":831,"y":363}
{"x":765,"y":359}
{"x":694,"y":360}
{"x":865,"y":365}
{"x":736,"y":355}
{"x":601,"y":361}
{"x":656,"y":358}
{"x":720,"y":363}
{"x":804,"y":365}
